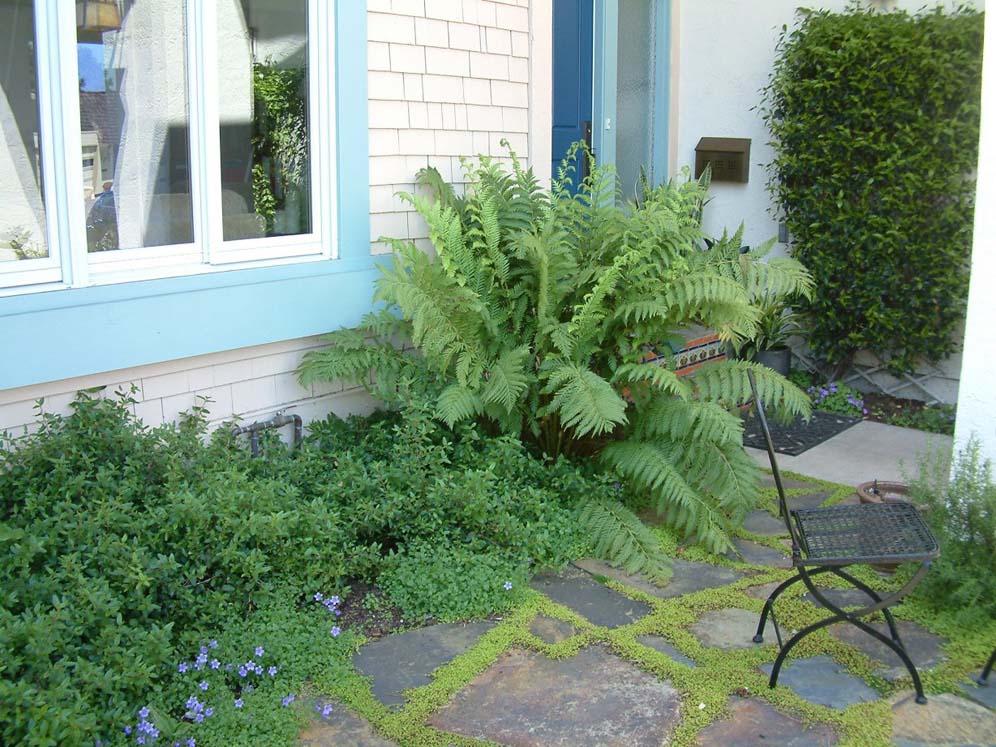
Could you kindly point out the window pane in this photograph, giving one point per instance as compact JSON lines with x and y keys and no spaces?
{"x":635,"y":92}
{"x":263,"y":84}
{"x":22,"y":215}
{"x":134,"y":122}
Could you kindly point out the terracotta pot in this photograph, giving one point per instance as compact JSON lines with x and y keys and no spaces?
{"x":885,"y":492}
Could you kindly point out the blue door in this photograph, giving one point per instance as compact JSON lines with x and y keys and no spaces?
{"x":573,"y":32}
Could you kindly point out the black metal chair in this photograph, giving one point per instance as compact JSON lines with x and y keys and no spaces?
{"x":828,"y":540}
{"x":983,"y":679}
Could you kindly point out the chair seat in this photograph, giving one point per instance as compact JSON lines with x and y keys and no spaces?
{"x":891,"y":532}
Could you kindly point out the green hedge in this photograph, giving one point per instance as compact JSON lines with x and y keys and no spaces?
{"x":875,"y":125}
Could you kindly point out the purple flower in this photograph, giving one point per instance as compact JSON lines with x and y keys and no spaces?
{"x":318,"y":596}
{"x":182,"y":669}
{"x":327,"y":710}
{"x":239,"y":703}
{"x":127,"y":731}
{"x":259,"y":651}
{"x":272,"y":671}
{"x":213,"y":644}
{"x":191,"y":742}
{"x":824,"y":392}
{"x":833,"y":389}
{"x":215,"y":664}
{"x":199,"y":717}
{"x":209,"y":712}
{"x":287,"y":700}
{"x":336,"y":630}
{"x":507,"y":586}
{"x":204,"y":650}
{"x":864,"y":411}
{"x":140,"y":739}
{"x":192,"y":703}
{"x":143,"y":713}
{"x":203,"y":685}
{"x":335,"y":600}
{"x":243,"y":671}
{"x":228,"y":667}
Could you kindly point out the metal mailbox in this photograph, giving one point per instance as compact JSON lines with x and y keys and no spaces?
{"x":729,"y":156}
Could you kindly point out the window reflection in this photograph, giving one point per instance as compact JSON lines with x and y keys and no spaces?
{"x":265,"y":143}
{"x":134,"y":120}
{"x":22,"y":207}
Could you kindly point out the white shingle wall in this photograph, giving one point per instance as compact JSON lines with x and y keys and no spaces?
{"x":448,"y":79}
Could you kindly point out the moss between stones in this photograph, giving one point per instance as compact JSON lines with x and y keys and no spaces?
{"x":705,"y":689}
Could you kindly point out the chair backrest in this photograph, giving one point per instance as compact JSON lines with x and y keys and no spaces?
{"x":782,"y":502}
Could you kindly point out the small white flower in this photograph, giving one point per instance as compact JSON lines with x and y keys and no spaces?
{"x":701,"y":706}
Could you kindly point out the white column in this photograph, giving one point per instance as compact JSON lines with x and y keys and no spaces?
{"x":977,"y":392}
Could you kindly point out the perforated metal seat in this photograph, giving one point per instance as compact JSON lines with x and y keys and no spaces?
{"x":868,"y":533}
{"x":827,"y":540}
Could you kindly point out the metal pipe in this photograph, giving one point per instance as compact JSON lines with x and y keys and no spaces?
{"x":277,"y":421}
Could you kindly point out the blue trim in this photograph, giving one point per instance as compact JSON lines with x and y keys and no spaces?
{"x":604,"y":79}
{"x":662,"y":91}
{"x":75,"y":332}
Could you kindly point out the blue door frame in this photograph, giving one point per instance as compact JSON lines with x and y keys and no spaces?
{"x":603,"y":71}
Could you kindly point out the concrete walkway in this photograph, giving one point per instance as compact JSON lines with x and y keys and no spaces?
{"x":867,"y":451}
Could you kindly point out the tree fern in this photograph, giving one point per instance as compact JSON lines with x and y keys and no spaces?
{"x":536,"y":318}
{"x":618,"y":535}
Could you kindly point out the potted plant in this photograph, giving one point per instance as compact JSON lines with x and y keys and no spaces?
{"x":769,"y":345}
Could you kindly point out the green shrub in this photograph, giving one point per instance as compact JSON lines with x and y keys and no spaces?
{"x":535,"y":321}
{"x":875,"y":126}
{"x":962,"y":512}
{"x":123,"y":549}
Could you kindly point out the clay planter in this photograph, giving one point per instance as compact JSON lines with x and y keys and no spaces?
{"x":884,"y":492}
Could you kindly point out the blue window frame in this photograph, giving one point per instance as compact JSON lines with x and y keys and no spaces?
{"x":55,"y":331}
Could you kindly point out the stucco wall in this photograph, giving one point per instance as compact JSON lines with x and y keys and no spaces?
{"x":977,"y":397}
{"x":719,"y":78}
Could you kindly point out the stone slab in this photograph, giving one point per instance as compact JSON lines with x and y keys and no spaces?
{"x":754,"y":553}
{"x":342,"y":728}
{"x":823,"y":681}
{"x":986,"y":695}
{"x":843,"y":598}
{"x":945,"y":721}
{"x":764,"y":523}
{"x":595,"y":602}
{"x":594,"y":698}
{"x":923,"y":646}
{"x":754,"y":723}
{"x":763,"y":591}
{"x":550,"y":629}
{"x":809,"y":500}
{"x":661,"y":644}
{"x":687,"y":577}
{"x":730,"y":628}
{"x":403,"y":661}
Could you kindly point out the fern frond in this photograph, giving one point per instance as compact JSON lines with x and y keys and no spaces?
{"x":726,"y":382}
{"x":659,"y":377}
{"x":457,"y":403}
{"x":693,"y":421}
{"x":508,"y":379}
{"x":586,"y":403}
{"x":618,"y":536}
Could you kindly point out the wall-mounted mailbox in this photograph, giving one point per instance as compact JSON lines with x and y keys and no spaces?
{"x":729,"y":156}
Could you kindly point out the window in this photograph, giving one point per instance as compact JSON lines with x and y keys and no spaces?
{"x":203,"y":138}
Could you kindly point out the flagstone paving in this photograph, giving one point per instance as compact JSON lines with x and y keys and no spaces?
{"x":729,"y":629}
{"x":402,"y":661}
{"x":686,"y":577}
{"x":821,"y":680}
{"x":945,"y":721}
{"x":753,"y":723}
{"x":592,"y":600}
{"x":985,"y":694}
{"x":764,"y":523}
{"x":551,"y":630}
{"x":754,"y":553}
{"x":592,"y":698}
{"x":661,"y":644}
{"x":923,"y":646}
{"x":342,"y":729}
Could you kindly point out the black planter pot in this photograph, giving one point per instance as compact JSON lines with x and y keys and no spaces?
{"x":778,"y":359}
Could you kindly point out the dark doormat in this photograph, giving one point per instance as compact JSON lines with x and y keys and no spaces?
{"x":798,"y":436}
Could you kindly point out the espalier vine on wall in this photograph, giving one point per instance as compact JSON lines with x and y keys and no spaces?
{"x":875,"y":126}
{"x":535,"y":319}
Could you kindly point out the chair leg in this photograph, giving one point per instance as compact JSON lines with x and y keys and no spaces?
{"x":770,"y":601}
{"x":983,"y":679}
{"x":861,"y":586}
